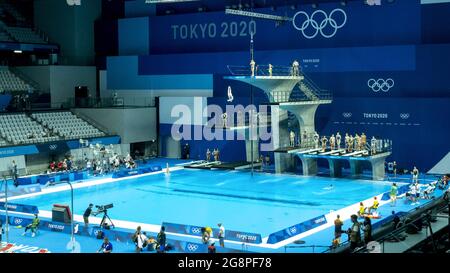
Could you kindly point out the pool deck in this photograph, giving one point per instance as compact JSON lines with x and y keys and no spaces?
{"x":319,"y":236}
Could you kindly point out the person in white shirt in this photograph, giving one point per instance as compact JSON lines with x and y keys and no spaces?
{"x":230,"y":95}
{"x":338,"y":141}
{"x":295,"y":68}
{"x":316,"y":140}
{"x":332,"y":142}
{"x":141,"y":242}
{"x":415,"y":174}
{"x":292,"y":139}
{"x":252,"y":67}
{"x":221,"y":234}
{"x":373,"y":145}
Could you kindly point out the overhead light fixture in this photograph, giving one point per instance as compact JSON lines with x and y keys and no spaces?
{"x":257,"y":15}
{"x":167,"y":1}
{"x":18,"y":51}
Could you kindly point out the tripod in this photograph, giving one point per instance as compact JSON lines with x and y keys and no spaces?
{"x":106,"y":217}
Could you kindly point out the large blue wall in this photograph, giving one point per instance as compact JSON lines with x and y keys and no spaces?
{"x":405,"y":41}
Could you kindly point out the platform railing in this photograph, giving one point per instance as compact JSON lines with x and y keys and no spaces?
{"x":260,"y":70}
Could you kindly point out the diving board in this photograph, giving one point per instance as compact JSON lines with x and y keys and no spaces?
{"x":332,"y":152}
{"x":357,"y":153}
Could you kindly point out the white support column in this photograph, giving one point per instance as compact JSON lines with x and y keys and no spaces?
{"x":335,"y":167}
{"x":309,"y":166}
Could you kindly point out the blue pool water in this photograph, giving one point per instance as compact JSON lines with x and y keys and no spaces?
{"x":262,"y":204}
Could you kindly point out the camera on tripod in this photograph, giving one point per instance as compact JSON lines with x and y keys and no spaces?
{"x":103,"y":208}
{"x":104,"y":221}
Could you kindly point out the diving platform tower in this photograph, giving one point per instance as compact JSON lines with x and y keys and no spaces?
{"x":278,"y":83}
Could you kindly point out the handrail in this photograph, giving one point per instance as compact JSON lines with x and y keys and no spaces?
{"x":260,"y":70}
{"x":425,"y":216}
{"x":398,"y":230}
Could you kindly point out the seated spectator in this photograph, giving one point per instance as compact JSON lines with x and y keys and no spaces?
{"x":375,"y":205}
{"x":106,"y":247}
{"x":60,"y":166}
{"x":151,"y":244}
{"x":211,"y":248}
{"x":33,"y":226}
{"x":205,"y":236}
{"x":52,"y":166}
{"x":429,"y":190}
{"x":362,"y":210}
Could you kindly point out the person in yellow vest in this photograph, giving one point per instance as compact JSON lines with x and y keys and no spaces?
{"x":362,"y":209}
{"x":375,"y":205}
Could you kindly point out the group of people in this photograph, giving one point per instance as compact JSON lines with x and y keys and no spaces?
{"x":295,"y":68}
{"x":113,"y":163}
{"x":371,"y":212}
{"x":142,"y":241}
{"x":354,"y":232}
{"x":215,"y":153}
{"x":207,"y":235}
{"x":62,"y":165}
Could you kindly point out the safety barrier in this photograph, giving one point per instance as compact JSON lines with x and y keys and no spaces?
{"x":296,"y":229}
{"x":230,"y":235}
{"x":20,"y":208}
{"x":132,"y":172}
{"x":53,"y":177}
{"x":114,"y":235}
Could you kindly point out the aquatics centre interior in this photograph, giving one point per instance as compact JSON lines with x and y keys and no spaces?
{"x":224,"y":126}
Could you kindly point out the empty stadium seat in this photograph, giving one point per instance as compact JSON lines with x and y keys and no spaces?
{"x":67,"y":125}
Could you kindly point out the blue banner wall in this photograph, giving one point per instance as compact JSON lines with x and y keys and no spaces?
{"x":75,"y":144}
{"x":230,"y":235}
{"x":18,"y":150}
{"x":133,"y":36}
{"x":20,"y":208}
{"x":296,"y":229}
{"x":417,"y":127}
{"x":357,"y":24}
{"x":313,"y":60}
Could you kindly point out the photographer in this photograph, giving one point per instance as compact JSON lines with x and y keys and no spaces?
{"x":139,"y":239}
{"x":106,"y":247}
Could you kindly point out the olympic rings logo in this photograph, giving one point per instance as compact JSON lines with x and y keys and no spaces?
{"x":195,"y":230}
{"x":319,"y":27}
{"x":192,"y":247}
{"x":380,"y":84}
{"x":347,"y":115}
{"x":18,"y":221}
{"x":404,"y":115}
{"x":293,"y":230}
{"x":53,"y":147}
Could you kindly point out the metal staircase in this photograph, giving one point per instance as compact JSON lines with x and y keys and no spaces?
{"x":308,"y":91}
